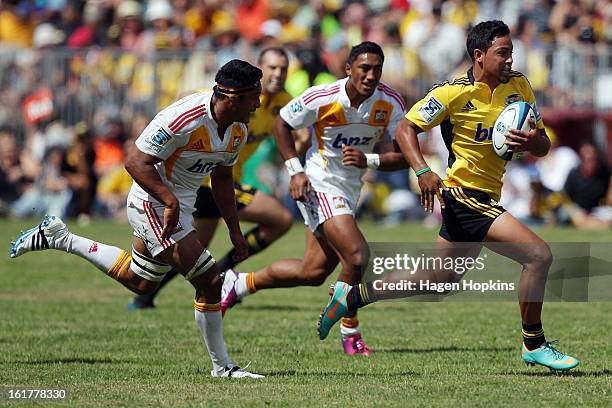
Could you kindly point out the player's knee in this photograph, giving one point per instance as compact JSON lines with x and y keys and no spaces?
{"x":198,"y":273}
{"x":146,"y":272}
{"x":541,"y":256}
{"x":284,"y":222}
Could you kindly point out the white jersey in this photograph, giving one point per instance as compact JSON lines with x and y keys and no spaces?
{"x":328,"y":109}
{"x":184,"y":136}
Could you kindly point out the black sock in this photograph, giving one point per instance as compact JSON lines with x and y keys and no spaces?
{"x":148,"y":298}
{"x":533,"y":335}
{"x":360,"y":296}
{"x":256,"y":244}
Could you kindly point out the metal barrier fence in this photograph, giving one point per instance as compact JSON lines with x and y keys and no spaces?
{"x":83,"y":82}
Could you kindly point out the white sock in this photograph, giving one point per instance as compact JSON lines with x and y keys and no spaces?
{"x":101,"y":255}
{"x":242,"y":289}
{"x":211,"y":327}
{"x":349,"y":331}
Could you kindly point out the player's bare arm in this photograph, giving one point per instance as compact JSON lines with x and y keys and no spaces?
{"x":140,"y":166}
{"x":429,"y":182}
{"x":299,"y":184}
{"x":386,"y":157}
{"x":223,"y":191}
{"x":303,"y":141}
{"x":535,"y":141}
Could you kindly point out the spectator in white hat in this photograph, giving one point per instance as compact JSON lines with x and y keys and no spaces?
{"x":161,"y":34}
{"x":46,"y":35}
{"x":128,"y":28}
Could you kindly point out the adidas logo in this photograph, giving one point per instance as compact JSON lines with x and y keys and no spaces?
{"x":469,"y":107}
{"x":197,"y":145}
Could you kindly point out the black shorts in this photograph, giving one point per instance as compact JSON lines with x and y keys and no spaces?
{"x":468,"y":214}
{"x":205,"y":206}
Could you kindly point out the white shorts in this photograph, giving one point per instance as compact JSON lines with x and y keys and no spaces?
{"x":146,"y":218}
{"x":320,"y":207}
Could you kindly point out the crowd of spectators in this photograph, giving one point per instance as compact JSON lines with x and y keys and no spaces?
{"x":80,"y":79}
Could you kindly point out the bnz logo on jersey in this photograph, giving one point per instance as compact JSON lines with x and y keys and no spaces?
{"x":202,"y":167}
{"x":351,"y":141}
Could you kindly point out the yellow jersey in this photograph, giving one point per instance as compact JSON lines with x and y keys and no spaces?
{"x":466,"y":111}
{"x":260,"y":127}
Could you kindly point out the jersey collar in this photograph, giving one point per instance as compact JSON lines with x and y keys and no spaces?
{"x":478,"y":85}
{"x":470,"y":75}
{"x":343,"y":98}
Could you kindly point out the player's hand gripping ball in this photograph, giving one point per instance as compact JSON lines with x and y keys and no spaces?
{"x":514,"y":116}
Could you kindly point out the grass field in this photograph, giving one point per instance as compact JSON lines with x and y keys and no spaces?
{"x":65,"y":324}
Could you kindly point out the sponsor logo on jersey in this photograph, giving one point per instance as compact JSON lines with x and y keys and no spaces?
{"x":513,"y":98}
{"x":296,"y":107}
{"x":331,"y":118}
{"x":380,"y":116}
{"x":161,"y":138}
{"x":236,"y":141}
{"x":431,"y":109}
{"x":197,"y":145}
{"x":351,"y":141}
{"x":468,"y":107}
{"x":201,"y":167}
{"x":483,"y":134}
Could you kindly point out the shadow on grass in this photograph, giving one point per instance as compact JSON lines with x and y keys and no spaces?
{"x":587,"y":374}
{"x":450,"y":349}
{"x":273,"y":308}
{"x":68,"y":361}
{"x":297,"y":373}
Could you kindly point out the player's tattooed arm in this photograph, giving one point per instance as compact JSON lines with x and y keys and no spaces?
{"x":223,"y":192}
{"x":141,"y":167}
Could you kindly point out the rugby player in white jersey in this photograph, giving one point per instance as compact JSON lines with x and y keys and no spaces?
{"x":198,"y":135}
{"x":349,"y":117}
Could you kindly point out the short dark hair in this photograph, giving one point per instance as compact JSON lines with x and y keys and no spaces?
{"x":366,"y":47}
{"x":482,"y":35}
{"x":276,"y":50}
{"x":238,"y":74}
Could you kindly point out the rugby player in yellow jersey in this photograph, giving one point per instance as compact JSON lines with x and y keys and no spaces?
{"x":272,"y":218}
{"x":466,"y":110}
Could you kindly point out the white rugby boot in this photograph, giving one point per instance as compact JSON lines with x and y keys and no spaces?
{"x":49,"y":234}
{"x":235,"y":372}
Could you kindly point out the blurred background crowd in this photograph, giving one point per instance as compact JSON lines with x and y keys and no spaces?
{"x":79,"y":80}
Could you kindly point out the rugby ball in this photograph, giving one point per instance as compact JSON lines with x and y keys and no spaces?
{"x":514,"y":116}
